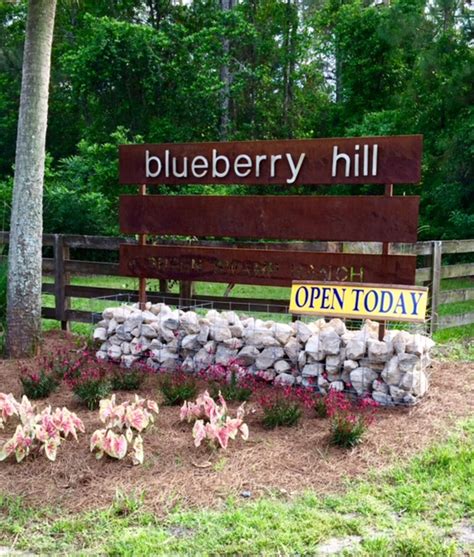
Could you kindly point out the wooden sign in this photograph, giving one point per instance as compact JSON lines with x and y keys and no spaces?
{"x":360,"y":160}
{"x":360,"y":301}
{"x":356,"y":218}
{"x":261,"y":266}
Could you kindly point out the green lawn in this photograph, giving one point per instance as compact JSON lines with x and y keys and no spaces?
{"x":419,"y":509}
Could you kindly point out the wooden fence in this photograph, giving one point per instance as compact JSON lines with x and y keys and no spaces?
{"x":62,"y":268}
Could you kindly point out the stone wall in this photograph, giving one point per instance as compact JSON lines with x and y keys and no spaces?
{"x":320,"y":354}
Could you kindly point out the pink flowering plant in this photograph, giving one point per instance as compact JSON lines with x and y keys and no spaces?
{"x":284,"y":405}
{"x":37,"y":384}
{"x":212,"y":421}
{"x":37,"y":431}
{"x":124,"y":423}
{"x":232,"y":380}
{"x":348,"y":420}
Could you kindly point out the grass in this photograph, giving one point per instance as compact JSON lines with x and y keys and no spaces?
{"x":411,"y":510}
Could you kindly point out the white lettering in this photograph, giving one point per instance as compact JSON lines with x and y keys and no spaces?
{"x":366,"y":160}
{"x":215,"y":159}
{"x":148,"y":160}
{"x":258,"y":160}
{"x":294,"y":169}
{"x":184,"y":173}
{"x":199,"y":166}
{"x":246,"y":163}
{"x":335,"y":159}
{"x":375,"y":155}
{"x":274,"y":160}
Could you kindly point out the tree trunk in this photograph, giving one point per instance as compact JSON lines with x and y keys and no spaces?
{"x":26,"y":229}
{"x":226,"y":78}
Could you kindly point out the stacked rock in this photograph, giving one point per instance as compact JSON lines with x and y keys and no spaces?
{"x":321,"y":354}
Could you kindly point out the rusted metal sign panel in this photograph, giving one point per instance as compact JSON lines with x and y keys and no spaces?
{"x":266,"y":267}
{"x":360,"y":160}
{"x":358,"y":219}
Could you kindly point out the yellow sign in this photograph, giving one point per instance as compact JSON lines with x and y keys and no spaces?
{"x":348,"y":299}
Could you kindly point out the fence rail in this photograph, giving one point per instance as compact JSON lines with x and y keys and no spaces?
{"x":62,"y":268}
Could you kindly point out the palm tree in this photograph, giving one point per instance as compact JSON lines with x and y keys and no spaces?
{"x":26,"y":229}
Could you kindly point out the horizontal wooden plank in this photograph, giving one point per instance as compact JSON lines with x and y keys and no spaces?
{"x":453,"y":296}
{"x":356,"y":160}
{"x":458,"y":320}
{"x":456,"y":271}
{"x":458,"y":246}
{"x":357,"y":218}
{"x":48,"y":313}
{"x":47,"y":288}
{"x":266,"y":267}
{"x":91,"y":268}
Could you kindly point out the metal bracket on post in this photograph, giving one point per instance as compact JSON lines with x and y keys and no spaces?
{"x":435,"y":287}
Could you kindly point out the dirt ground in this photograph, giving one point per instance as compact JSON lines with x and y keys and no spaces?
{"x":285,"y":460}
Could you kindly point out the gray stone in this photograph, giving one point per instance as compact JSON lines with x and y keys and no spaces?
{"x":188,"y":364}
{"x":121,"y":334}
{"x":237,"y":330}
{"x":203,"y":359}
{"x":380,"y":386}
{"x":224,"y":354}
{"x":125,"y":347}
{"x":281,"y":366}
{"x":419,"y":344}
{"x":111,"y":326}
{"x":391,"y":373}
{"x":350,"y":365}
{"x":338,"y":325}
{"x":415,"y":382}
{"x":333,"y":364}
{"x":292,"y":349}
{"x":323,"y":384}
{"x":233,"y":343}
{"x":128,"y":360}
{"x":190,"y":342}
{"x":379,"y":351}
{"x":260,"y":338}
{"x":190,"y":323}
{"x":362,"y":379}
{"x":383,"y":399}
{"x":302,"y":359}
{"x":231,"y":317}
{"x":282,"y":332}
{"x":100,"y":334}
{"x":101,"y":355}
{"x":170,"y":321}
{"x":114,"y":339}
{"x":203,"y":334}
{"x":137,"y":331}
{"x":336,"y":386}
{"x":409,"y":399}
{"x":397,"y":394}
{"x":166,"y":334}
{"x":268,"y":357}
{"x":330,"y":342}
{"x":314,"y":348}
{"x":149,"y":317}
{"x":132,"y":322}
{"x":248,"y":355}
{"x":149,"y":332}
{"x":114,"y":353}
{"x":408,"y":362}
{"x":303,"y":332}
{"x":355,"y":349}
{"x":400,"y":341}
{"x":284,"y":379}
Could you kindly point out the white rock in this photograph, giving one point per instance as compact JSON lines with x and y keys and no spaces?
{"x":350,"y":365}
{"x":260,"y":338}
{"x":362,"y":379}
{"x":237,"y":330}
{"x":284,"y":379}
{"x":108,"y":313}
{"x":314,"y":348}
{"x":188,"y":365}
{"x":408,"y":362}
{"x":379,"y":351}
{"x":323,"y":384}
{"x":248,"y":355}
{"x":415,"y":382}
{"x":121,"y":314}
{"x":190,"y":342}
{"x":380,"y":386}
{"x":231,"y":317}
{"x":313,"y":370}
{"x":101,"y":355}
{"x":190,"y":323}
{"x":149,"y":317}
{"x":382,"y":398}
{"x":419,"y":344}
{"x":303,"y":332}
{"x":114,"y":353}
{"x":224,"y":355}
{"x":330,"y":342}
{"x":281,"y":366}
{"x":149,"y":332}
{"x":171,"y":320}
{"x":137,"y":331}
{"x":268,"y":357}
{"x":233,"y":343}
{"x":114,"y":339}
{"x":100,"y":334}
{"x":203,"y":334}
{"x":125,"y":347}
{"x":282,"y":332}
{"x":203,"y":359}
{"x":132,"y":322}
{"x":292,"y":349}
{"x":333,"y":364}
{"x":220,"y":331}
{"x":391,"y":373}
{"x":128,"y":360}
{"x":121,"y":334}
{"x":400,"y":341}
{"x":336,"y":386}
{"x":397,"y":394}
{"x":166,"y":334}
{"x":302,"y":359}
{"x":355,"y":349}
{"x":338,"y":325}
{"x":112,"y":326}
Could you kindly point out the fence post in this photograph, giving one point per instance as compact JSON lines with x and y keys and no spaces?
{"x":186,"y":292}
{"x":61,"y":280}
{"x":437,"y":249}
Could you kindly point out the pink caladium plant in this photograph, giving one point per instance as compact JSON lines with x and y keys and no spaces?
{"x":123,"y":424}
{"x":212,"y":422}
{"x":8,"y":408}
{"x":37,"y":431}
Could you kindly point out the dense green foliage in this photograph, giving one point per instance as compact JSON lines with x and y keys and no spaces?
{"x":133,"y":70}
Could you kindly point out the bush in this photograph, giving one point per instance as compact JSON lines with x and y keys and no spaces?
{"x":126,"y":379}
{"x":320,"y":407}
{"x":233,"y":381}
{"x":283,"y":406}
{"x":178,"y":388}
{"x":38,"y":384}
{"x":90,"y":391}
{"x":348,"y":420}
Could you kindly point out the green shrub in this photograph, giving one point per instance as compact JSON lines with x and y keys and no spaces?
{"x":126,"y":379}
{"x":38,"y":384}
{"x":91,"y":391}
{"x":178,"y":388}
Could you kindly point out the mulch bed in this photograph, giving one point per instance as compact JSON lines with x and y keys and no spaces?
{"x":286,"y":461}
